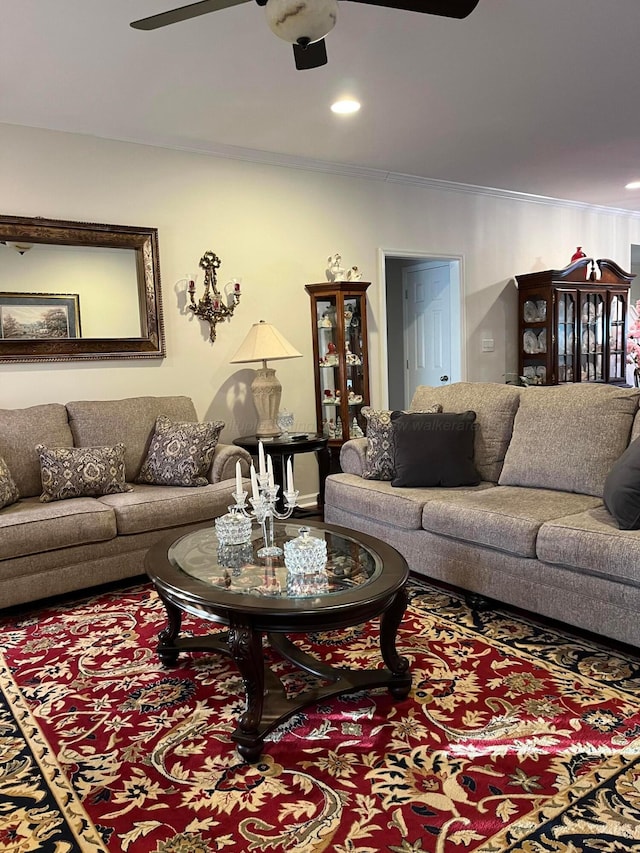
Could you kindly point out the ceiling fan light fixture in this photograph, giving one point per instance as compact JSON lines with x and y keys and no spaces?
{"x":301,"y":22}
{"x":345,"y":106}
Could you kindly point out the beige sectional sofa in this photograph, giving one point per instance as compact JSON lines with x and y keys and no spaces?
{"x":64,"y":545}
{"x":534,"y":533}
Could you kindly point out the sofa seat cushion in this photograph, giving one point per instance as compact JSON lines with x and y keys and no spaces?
{"x":30,"y":527}
{"x":379,"y":501}
{"x":130,"y":421}
{"x":505,"y":518}
{"x":591,"y":542}
{"x":495,"y":406}
{"x":156,"y":507}
{"x":21,"y":430}
{"x":569,"y":436}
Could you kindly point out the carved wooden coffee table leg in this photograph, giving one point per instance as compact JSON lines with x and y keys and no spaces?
{"x":245,"y":646}
{"x":167,"y":651}
{"x":390,"y":620}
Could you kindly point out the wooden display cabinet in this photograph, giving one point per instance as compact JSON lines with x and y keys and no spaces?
{"x":341,"y":360}
{"x":572,"y":323}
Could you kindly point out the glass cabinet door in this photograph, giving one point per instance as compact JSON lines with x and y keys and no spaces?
{"x":329,"y":343}
{"x":355,"y":358}
{"x":591,"y":336}
{"x":565,"y":335}
{"x":617,"y":341}
{"x":535,"y":341}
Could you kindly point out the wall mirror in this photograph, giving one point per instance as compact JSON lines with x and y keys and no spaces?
{"x":78,"y":290}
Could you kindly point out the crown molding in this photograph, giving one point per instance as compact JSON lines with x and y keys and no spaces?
{"x":287,"y":161}
{"x":269,"y":158}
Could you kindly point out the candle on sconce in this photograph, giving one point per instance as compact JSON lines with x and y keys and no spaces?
{"x":261,"y":460}
{"x":238,"y":478}
{"x":289,"y":475}
{"x":255,"y":491}
{"x":270,"y":473}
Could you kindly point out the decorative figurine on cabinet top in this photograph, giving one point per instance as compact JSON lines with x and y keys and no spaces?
{"x":335,"y":271}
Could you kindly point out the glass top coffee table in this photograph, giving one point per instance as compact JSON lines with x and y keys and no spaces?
{"x":229,"y":585}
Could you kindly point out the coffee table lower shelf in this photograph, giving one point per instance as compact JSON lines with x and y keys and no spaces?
{"x":267,"y":705}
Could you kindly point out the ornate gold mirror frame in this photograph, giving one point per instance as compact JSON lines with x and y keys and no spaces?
{"x":16,"y":231}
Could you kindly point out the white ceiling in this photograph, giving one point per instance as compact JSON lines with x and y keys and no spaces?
{"x":535,"y":96}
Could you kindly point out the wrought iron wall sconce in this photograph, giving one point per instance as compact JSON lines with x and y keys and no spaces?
{"x":214,"y":306}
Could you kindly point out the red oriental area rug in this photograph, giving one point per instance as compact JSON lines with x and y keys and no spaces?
{"x":514,"y":738}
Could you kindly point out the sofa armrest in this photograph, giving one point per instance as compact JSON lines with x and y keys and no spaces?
{"x":223,"y":466}
{"x":352,"y":456}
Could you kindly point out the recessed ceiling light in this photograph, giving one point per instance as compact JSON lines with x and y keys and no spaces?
{"x":345,"y":106}
{"x":634,"y":185}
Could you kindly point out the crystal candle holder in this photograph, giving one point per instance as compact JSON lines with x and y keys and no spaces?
{"x":234,"y":528}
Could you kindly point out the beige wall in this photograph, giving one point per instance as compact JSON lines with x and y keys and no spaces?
{"x":274,"y":227}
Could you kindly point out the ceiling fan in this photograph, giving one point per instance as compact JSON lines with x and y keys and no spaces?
{"x":305,"y":23}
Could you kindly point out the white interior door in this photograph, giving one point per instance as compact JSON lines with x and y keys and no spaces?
{"x":427,"y":324}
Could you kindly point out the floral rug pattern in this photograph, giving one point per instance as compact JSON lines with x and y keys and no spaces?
{"x":515,"y":737}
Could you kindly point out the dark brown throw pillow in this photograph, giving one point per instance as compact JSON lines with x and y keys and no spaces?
{"x":621,"y":493}
{"x":180,"y":454}
{"x":379,"y":462}
{"x":434,"y":449}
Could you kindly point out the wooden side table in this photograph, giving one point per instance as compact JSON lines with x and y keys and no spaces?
{"x":284,"y":449}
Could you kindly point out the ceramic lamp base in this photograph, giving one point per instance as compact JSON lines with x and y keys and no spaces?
{"x":267,"y":391}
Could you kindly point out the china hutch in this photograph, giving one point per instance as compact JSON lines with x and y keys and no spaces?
{"x":341,"y":360}
{"x":572,"y":323}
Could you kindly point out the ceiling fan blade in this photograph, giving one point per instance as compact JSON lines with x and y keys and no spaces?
{"x":446,"y":8}
{"x":163,"y":19}
{"x":312,"y":56}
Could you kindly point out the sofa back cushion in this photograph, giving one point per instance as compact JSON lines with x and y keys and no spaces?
{"x":569,"y":436}
{"x":20,"y":431}
{"x":495,"y":406}
{"x":131,"y":421}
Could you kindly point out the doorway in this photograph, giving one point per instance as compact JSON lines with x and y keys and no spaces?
{"x":424,"y":323}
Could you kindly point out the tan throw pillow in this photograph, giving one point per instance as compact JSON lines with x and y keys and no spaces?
{"x":180,"y":454}
{"x":81,"y":472}
{"x":9,"y":493}
{"x":379,"y":463}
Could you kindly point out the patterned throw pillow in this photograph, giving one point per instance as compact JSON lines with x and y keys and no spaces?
{"x":180,"y":454}
{"x":9,"y":493}
{"x":379,"y":462}
{"x":81,"y":472}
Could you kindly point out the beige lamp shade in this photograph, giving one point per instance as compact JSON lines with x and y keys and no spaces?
{"x":265,"y":343}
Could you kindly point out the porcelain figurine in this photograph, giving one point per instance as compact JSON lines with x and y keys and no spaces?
{"x":335,"y":270}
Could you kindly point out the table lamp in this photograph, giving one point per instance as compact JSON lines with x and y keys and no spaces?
{"x":265,"y":343}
